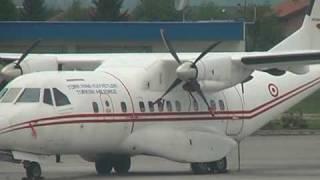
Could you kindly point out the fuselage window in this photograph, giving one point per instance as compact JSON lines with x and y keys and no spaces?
{"x":151,"y":106}
{"x":195,"y":105}
{"x":11,"y":95}
{"x":107,"y":103}
{"x":178,"y":106}
{"x":221,"y":105}
{"x":160,"y":106}
{"x":29,"y":95}
{"x":47,"y":98}
{"x":142,"y":107}
{"x":60,"y":98}
{"x":213,"y":105}
{"x":95,"y":107}
{"x":123,"y":107}
{"x":169,"y":106}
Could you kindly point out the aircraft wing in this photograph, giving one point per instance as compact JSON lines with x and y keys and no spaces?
{"x":179,"y":144}
{"x":287,"y":61}
{"x":66,"y":61}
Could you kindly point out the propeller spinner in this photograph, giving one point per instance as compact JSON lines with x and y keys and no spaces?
{"x":186,"y":72}
{"x":14,"y":69}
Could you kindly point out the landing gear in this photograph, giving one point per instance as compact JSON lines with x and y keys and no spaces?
{"x":33,"y":170}
{"x":219,"y":166}
{"x":121,"y":165}
{"x":103,"y":166}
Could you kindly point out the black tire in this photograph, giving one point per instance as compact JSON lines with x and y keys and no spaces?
{"x":122,"y":164}
{"x":221,"y":165}
{"x":34,"y":171}
{"x":103,"y":166}
{"x":200,"y":168}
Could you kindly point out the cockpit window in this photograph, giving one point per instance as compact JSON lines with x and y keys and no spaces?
{"x":29,"y":95}
{"x":10,"y":95}
{"x":47,"y":99}
{"x":60,"y":98}
{"x":2,"y":92}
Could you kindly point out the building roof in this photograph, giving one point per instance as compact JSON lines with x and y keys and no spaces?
{"x":120,"y":31}
{"x":290,"y":7}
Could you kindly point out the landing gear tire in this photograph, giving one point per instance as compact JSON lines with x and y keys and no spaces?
{"x":201,"y":168}
{"x":33,"y":171}
{"x":122,"y":164}
{"x":221,"y":165}
{"x":103,"y":166}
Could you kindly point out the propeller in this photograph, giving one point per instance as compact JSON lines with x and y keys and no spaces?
{"x":10,"y":71}
{"x":186,"y":72}
{"x":26,"y":53}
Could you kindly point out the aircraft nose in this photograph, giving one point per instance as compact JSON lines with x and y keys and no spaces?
{"x":4,"y":122}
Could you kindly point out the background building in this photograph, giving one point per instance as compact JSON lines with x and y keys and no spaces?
{"x":99,"y":37}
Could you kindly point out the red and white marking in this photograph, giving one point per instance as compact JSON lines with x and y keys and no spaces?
{"x":273,"y":89}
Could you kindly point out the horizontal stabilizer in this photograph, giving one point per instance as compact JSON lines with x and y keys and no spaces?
{"x":296,"y":62}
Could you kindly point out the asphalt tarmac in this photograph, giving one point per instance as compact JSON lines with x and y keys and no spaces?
{"x":262,"y":157}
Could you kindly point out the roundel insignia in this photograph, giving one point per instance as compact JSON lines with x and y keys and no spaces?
{"x":273,"y":89}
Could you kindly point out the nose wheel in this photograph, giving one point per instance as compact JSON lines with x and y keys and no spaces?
{"x":33,"y":170}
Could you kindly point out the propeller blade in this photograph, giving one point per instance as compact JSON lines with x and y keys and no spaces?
{"x":206,"y":52}
{"x":172,"y":86}
{"x":24,"y":55}
{"x":199,"y":91}
{"x":169,"y":46}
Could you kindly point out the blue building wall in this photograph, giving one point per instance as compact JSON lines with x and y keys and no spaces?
{"x":120,"y":31}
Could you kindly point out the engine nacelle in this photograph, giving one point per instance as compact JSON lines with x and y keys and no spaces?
{"x":221,"y":73}
{"x":33,"y":63}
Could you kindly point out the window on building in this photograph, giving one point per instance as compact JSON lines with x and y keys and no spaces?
{"x":178,"y":106}
{"x":29,"y":95}
{"x":95,"y":107}
{"x":123,"y":107}
{"x":169,"y":106}
{"x":151,"y":106}
{"x":142,"y":107}
{"x":10,"y":95}
{"x":60,"y":98}
{"x":221,"y":105}
{"x":47,"y":98}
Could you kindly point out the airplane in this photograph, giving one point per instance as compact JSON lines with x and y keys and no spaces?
{"x":183,"y":107}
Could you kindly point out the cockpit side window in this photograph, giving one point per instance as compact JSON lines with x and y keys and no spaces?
{"x":60,"y":98}
{"x":29,"y":95}
{"x":47,"y":98}
{"x":3,"y":92}
{"x":10,"y":95}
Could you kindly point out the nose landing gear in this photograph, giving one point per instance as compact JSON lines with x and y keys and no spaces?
{"x":33,"y":170}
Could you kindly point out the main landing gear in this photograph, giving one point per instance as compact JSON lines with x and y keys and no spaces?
{"x":120,"y":164}
{"x":33,"y":170}
{"x":219,"y":166}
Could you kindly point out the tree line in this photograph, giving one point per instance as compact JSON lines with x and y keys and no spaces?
{"x":263,"y":34}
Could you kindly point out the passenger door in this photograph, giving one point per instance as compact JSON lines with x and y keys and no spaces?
{"x":234,"y":102}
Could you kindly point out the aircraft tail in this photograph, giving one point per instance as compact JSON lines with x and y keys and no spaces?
{"x":308,"y":36}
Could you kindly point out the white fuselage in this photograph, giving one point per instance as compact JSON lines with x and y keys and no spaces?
{"x":77,"y":129}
